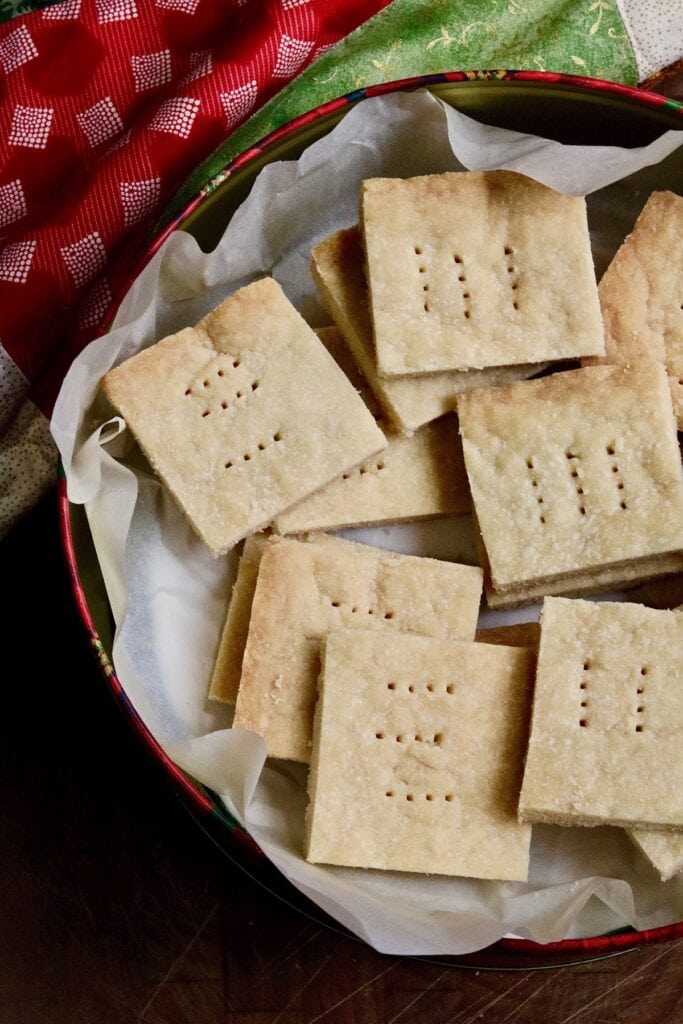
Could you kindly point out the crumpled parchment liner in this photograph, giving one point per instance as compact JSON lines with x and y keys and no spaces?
{"x":169,"y":596}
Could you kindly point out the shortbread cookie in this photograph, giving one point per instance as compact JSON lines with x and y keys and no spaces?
{"x":417,"y":477}
{"x":228,"y":669}
{"x":337,"y":268}
{"x":606,"y":745}
{"x":664,"y":850}
{"x":641,"y":293}
{"x":475,"y":269}
{"x":575,"y":480}
{"x":306,"y":590}
{"x":243,"y":415}
{"x":418,"y":756}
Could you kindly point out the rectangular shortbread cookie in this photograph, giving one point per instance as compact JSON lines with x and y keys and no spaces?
{"x":243,"y":415}
{"x":228,"y":669}
{"x":664,"y":850}
{"x":418,"y":756}
{"x":417,"y":477}
{"x":475,"y":269}
{"x":641,"y":293}
{"x":575,"y":479}
{"x":306,"y":590}
{"x":337,"y":268}
{"x":606,"y":743}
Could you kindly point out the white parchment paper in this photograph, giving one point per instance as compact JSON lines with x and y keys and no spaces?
{"x":169,"y":596}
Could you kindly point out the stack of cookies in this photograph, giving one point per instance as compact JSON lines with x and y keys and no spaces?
{"x":454,"y":290}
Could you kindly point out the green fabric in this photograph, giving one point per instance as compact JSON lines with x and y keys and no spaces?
{"x":415,"y":37}
{"x":10,"y":8}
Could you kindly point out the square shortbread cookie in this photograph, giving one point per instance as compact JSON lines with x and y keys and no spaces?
{"x":475,"y":269}
{"x":337,"y":268}
{"x":243,"y":415}
{"x":417,"y":756}
{"x":306,"y":590}
{"x":664,"y":850}
{"x":575,"y":480}
{"x":228,"y":669}
{"x":641,"y":293}
{"x":417,"y":477}
{"x":606,"y":743}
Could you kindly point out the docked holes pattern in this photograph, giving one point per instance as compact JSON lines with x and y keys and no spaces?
{"x":583,"y":687}
{"x":422,"y":269}
{"x":355,"y":609}
{"x":367,"y":469}
{"x":262,"y":446}
{"x":411,"y":797}
{"x":611,"y":452}
{"x":575,"y":471}
{"x":459,"y":265}
{"x":536,"y":488}
{"x":223,"y":400}
{"x":434,"y":739}
{"x":413,"y":688}
{"x":512,"y":274}
{"x":584,"y":696}
{"x":640,"y":700}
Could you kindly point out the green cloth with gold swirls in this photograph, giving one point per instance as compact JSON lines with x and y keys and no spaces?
{"x":418,"y":37}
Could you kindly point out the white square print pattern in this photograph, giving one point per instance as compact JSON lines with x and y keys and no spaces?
{"x":85,"y":258}
{"x":151,"y":70}
{"x":238,"y":102}
{"x":31,"y":126}
{"x":201,"y":64}
{"x":95,"y":304}
{"x":176,"y":116}
{"x":15,"y":261}
{"x":12,"y":203}
{"x":67,"y":10}
{"x":116,"y":10}
{"x":186,"y":6}
{"x":139,"y":198}
{"x":291,"y":54}
{"x":16,"y":49}
{"x":100,"y":122}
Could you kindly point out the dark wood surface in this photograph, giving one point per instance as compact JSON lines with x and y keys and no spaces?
{"x":116,"y":907}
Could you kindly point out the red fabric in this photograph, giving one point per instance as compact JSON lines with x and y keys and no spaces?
{"x":105,"y":107}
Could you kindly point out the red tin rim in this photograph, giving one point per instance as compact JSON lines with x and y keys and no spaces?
{"x":200,"y":804}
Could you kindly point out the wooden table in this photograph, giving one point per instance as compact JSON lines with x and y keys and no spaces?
{"x":116,"y":908}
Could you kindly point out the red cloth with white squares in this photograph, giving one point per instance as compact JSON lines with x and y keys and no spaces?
{"x":105,"y":107}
